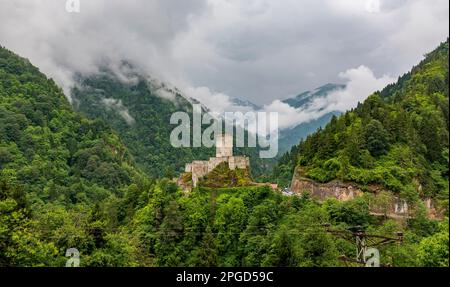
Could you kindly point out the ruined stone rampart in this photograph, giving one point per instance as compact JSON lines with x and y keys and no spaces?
{"x":224,"y":153}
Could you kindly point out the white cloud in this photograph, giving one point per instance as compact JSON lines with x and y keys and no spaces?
{"x":373,"y":6}
{"x":117,"y":106}
{"x":257,"y":49}
{"x":105,"y":31}
{"x":218,"y":103}
{"x":355,"y":7}
{"x":361,"y":83}
{"x":264,"y":55}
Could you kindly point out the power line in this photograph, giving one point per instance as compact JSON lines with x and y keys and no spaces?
{"x":363,"y":242}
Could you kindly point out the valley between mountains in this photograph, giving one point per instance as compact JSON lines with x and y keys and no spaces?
{"x":99,"y":174}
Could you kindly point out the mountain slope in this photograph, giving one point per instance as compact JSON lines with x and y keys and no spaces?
{"x":397,"y":138}
{"x":302,"y":100}
{"x":291,"y":136}
{"x":45,"y":145}
{"x":245,"y":103}
{"x":139,"y":110}
{"x":64,"y":179}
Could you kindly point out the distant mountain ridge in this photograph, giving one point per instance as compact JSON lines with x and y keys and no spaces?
{"x":307,"y":97}
{"x":291,"y":136}
{"x":245,"y":103}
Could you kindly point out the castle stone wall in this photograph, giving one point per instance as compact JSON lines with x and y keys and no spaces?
{"x":199,"y":170}
{"x":215,"y":161}
{"x":224,"y":153}
{"x":239,"y":162}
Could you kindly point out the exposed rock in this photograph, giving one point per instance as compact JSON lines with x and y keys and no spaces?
{"x":322,"y":191}
{"x":381,"y":202}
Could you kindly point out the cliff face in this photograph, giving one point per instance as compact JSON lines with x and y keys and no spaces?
{"x":319,"y":191}
{"x":381,"y":202}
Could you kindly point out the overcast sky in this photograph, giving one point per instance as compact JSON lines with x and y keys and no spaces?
{"x":211,"y":49}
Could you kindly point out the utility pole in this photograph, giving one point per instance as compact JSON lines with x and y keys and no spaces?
{"x":361,"y":246}
{"x":366,"y":244}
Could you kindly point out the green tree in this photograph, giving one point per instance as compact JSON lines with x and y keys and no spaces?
{"x":376,"y":138}
{"x":433,"y":250}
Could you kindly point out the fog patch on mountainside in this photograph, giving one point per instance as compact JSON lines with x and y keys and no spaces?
{"x":360,"y":83}
{"x":117,"y":106}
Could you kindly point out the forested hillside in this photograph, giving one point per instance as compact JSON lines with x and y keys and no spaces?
{"x":397,"y":138}
{"x":139,"y":109}
{"x":290,"y":137}
{"x":56,"y":169}
{"x":69,"y":182}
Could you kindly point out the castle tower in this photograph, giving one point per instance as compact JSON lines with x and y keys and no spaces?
{"x":224,"y":153}
{"x":224,"y":145}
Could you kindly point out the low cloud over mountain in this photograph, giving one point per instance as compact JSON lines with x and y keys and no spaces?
{"x":216,"y":50}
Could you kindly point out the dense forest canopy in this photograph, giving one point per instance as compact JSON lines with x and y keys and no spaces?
{"x":71,"y":182}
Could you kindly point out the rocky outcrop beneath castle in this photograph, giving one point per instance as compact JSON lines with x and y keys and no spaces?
{"x":224,"y":153}
{"x":381,"y":202}
{"x":200,"y":168}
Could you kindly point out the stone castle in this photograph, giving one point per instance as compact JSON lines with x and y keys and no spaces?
{"x":224,"y":153}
